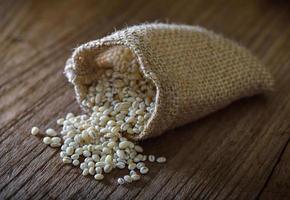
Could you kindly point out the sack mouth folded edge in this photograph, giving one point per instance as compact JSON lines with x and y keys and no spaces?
{"x":75,"y":61}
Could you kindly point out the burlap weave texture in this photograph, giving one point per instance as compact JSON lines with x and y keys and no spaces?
{"x":195,"y":71}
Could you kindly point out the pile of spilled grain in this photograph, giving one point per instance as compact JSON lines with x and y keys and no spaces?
{"x":120,"y":103}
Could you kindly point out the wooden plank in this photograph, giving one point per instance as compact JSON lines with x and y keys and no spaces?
{"x":278,"y":186}
{"x":239,"y":152}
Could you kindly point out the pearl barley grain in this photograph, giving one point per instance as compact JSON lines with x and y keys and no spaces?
{"x":99,"y":177}
{"x":121,"y":154}
{"x":140,"y":165}
{"x":85,"y":172}
{"x":128,"y":178}
{"x":121,"y":181}
{"x":98,"y":170}
{"x":135,"y":177}
{"x":51,"y":132}
{"x":151,"y":158}
{"x":92,"y":170}
{"x":86,"y":153}
{"x":138,"y":148}
{"x":161,"y":160}
{"x":66,"y":160}
{"x":46,"y":140}
{"x":132,"y":172}
{"x":55,"y":139}
{"x":107,"y":168}
{"x":83,"y":166}
{"x":69,"y":150}
{"x":34,"y":130}
{"x":75,"y":156}
{"x":132,"y":166}
{"x":91,"y":164}
{"x":144,"y":170}
{"x":76,"y":162}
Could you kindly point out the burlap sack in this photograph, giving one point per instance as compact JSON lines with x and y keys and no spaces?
{"x":195,"y":71}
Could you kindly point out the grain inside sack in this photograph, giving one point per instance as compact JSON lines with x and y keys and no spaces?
{"x":141,"y":81}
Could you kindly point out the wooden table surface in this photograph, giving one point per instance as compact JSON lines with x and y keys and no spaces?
{"x":240,"y":152}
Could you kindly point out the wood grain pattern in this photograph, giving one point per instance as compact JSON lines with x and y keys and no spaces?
{"x":240,"y":152}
